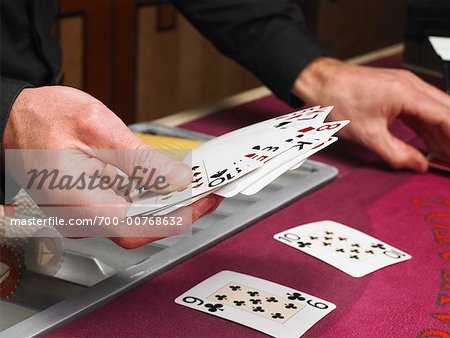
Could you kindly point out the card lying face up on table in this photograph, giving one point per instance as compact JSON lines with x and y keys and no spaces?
{"x":247,"y":159}
{"x":345,"y":248}
{"x":268,"y":307}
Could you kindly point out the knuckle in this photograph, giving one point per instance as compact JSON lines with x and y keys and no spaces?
{"x":145,"y":157}
{"x":95,"y":113}
{"x":95,"y":120}
{"x":404,"y":87}
{"x":408,"y":74}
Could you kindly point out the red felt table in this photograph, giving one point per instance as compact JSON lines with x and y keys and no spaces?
{"x":407,"y":210}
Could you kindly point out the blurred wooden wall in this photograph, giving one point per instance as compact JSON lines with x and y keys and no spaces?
{"x":144,"y":60}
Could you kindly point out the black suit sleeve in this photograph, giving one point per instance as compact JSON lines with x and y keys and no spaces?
{"x":268,"y":37}
{"x":9,"y":90}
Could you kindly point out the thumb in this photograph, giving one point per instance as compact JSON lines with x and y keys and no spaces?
{"x":397,"y":153}
{"x":147,"y":167}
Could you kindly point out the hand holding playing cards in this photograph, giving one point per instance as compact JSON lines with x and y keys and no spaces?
{"x":372,"y":98}
{"x":81,"y":136}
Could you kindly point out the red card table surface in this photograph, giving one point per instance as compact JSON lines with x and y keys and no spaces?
{"x":409,"y":211}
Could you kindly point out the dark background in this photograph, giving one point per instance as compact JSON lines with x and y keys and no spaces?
{"x":144,"y":60}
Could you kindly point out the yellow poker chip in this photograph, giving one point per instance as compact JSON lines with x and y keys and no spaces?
{"x":44,"y":253}
{"x":9,"y":271}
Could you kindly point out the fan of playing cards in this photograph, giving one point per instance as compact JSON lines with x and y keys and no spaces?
{"x":246,"y":160}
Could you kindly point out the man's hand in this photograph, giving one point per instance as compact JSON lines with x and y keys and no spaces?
{"x":372,"y":98}
{"x":93,"y":139}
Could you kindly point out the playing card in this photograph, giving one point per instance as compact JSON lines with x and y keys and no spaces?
{"x":215,"y":160}
{"x":263,"y":141}
{"x":265,"y":306}
{"x":310,"y":116}
{"x":266,"y":171}
{"x":227,"y":164}
{"x":274,"y":170}
{"x":207,"y":177}
{"x":174,"y":207}
{"x":441,"y":45}
{"x":306,"y":141}
{"x":347,"y":249}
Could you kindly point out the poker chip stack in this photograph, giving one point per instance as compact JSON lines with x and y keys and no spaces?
{"x":44,"y":252}
{"x":26,"y":208}
{"x":17,"y":243}
{"x":29,"y":246}
{"x":10,"y":271}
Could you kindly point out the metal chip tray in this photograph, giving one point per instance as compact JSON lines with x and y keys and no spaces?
{"x":95,"y":270}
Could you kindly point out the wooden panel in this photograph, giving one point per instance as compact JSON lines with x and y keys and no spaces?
{"x":96,"y":48}
{"x":71,"y":36}
{"x":178,"y":69}
{"x":124,"y":35}
{"x":353,"y":27}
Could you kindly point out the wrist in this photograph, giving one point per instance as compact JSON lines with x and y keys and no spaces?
{"x":314,"y":82}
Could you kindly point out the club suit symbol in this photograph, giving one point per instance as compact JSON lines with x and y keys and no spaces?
{"x":282,"y":124}
{"x":253,"y":293}
{"x":277,"y":315}
{"x":255,"y":301}
{"x":235,"y":287}
{"x":258,"y":309}
{"x":221,"y":297}
{"x":239,"y":303}
{"x":214,"y":307}
{"x":271,"y":300}
{"x":290,"y":306}
{"x":295,"y":296}
{"x":303,"y":244}
{"x":378,"y":246}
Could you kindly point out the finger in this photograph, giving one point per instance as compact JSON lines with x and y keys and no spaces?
{"x":427,"y":88}
{"x":133,"y":242}
{"x":148,"y":167}
{"x":437,"y":139}
{"x":199,"y":209}
{"x":425,"y":108}
{"x":114,"y":143}
{"x":397,"y":153}
{"x":205,"y":206}
{"x":430,"y":120}
{"x":119,"y":182}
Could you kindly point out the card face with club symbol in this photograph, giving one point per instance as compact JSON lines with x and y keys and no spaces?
{"x":345,"y":248}
{"x":265,"y":306}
